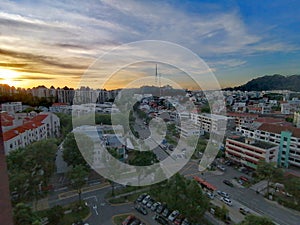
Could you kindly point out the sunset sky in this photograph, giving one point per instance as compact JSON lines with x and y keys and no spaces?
{"x":53,"y":42}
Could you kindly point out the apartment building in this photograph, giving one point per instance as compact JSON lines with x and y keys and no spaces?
{"x":248,"y":152}
{"x":213,"y":122}
{"x":42,"y":126}
{"x":12,"y":107}
{"x":285,"y":136}
{"x":188,"y":129}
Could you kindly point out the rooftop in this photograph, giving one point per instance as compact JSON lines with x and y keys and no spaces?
{"x":259,"y":144}
{"x":275,"y":128}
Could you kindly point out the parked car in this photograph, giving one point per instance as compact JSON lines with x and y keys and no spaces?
{"x":227,"y":201}
{"x":228,"y":182}
{"x":185,"y":222}
{"x":150,"y":203}
{"x":141,"y":197}
{"x":220,"y":167}
{"x":179,"y":219}
{"x":244,"y":211}
{"x":160,"y":208}
{"x":135,"y":222}
{"x":173,"y":215}
{"x":141,"y":209}
{"x":146,"y":199}
{"x":166,"y":212}
{"x":243,"y":178}
{"x":161,"y":220}
{"x":210,"y":195}
{"x":128,"y":220}
{"x":155,"y":205}
{"x":223,"y":194}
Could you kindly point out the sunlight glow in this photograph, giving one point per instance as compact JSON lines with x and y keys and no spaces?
{"x":9,"y":77}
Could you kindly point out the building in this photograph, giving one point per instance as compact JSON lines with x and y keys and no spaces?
{"x":189,"y":129}
{"x":42,"y":126}
{"x":12,"y":107}
{"x":248,"y":152}
{"x":285,"y":136}
{"x":213,"y":122}
{"x":296,"y":120}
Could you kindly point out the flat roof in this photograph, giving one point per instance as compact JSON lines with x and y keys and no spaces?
{"x":256,"y":143}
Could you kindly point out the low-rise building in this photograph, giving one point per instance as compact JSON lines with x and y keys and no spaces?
{"x":213,"y":122}
{"x":12,"y":107}
{"x":42,"y":126}
{"x":285,"y":136}
{"x":248,"y":152}
{"x":188,"y":129}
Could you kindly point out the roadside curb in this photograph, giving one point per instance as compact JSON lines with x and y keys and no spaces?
{"x":71,"y":194}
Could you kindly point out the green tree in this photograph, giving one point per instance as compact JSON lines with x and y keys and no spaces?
{"x":30,"y":169}
{"x":71,"y":153}
{"x":292,"y":186}
{"x":78,"y":176}
{"x":256,"y":220}
{"x":184,"y":195}
{"x":23,"y":215}
{"x":143,"y":159}
{"x":55,"y":214}
{"x":65,"y":123}
{"x":268,"y":172}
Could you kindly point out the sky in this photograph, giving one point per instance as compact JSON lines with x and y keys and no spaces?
{"x":54,"y":42}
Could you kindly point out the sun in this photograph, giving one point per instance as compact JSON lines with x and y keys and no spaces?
{"x":8,"y":77}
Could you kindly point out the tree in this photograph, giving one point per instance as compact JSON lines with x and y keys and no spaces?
{"x":55,"y":214}
{"x":23,"y":215}
{"x":184,"y":195}
{"x":143,"y":159}
{"x":30,"y":168}
{"x":65,"y":123}
{"x":72,"y":155}
{"x":256,"y":220}
{"x":78,"y":176}
{"x":292,"y":186}
{"x":268,"y":172}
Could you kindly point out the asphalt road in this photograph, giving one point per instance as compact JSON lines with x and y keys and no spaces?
{"x":244,"y":196}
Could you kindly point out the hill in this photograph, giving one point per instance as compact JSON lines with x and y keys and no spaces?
{"x":271,"y":82}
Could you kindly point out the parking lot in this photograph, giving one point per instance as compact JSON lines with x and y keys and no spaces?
{"x":148,"y":211}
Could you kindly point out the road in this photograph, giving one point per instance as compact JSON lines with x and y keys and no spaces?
{"x":244,"y":196}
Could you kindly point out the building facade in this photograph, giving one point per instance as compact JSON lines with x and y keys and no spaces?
{"x":248,"y":152}
{"x":42,"y":126}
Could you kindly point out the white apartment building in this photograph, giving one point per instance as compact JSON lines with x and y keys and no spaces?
{"x":188,"y":129}
{"x":12,"y":107}
{"x":42,"y":126}
{"x":286,"y":137}
{"x":212,"y":122}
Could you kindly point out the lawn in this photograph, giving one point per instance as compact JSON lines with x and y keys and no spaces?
{"x":119,"y":219}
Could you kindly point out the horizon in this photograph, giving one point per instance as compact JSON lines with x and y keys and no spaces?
{"x":55,"y":42}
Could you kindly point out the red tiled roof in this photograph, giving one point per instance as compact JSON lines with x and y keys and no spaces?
{"x":272,"y":120}
{"x":235,"y":114}
{"x":6,"y":119}
{"x":275,"y":128}
{"x":30,"y":125}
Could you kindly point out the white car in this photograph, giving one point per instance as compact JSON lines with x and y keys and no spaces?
{"x":146,"y":199}
{"x":227,"y":201}
{"x":173,"y":215}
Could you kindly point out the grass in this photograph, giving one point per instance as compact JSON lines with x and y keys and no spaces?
{"x":125,"y":199}
{"x":123,"y":191}
{"x":119,"y":219}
